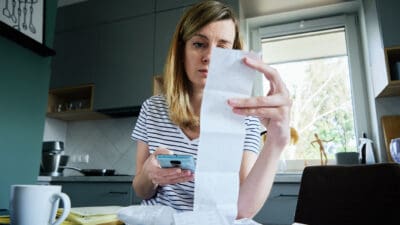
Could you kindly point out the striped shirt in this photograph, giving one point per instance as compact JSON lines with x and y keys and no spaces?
{"x":155,"y":128}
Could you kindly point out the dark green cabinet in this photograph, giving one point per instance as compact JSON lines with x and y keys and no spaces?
{"x":280,"y":207}
{"x":110,"y":46}
{"x":124,"y":67}
{"x":388,"y":13}
{"x":166,"y":22}
{"x":99,"y":193}
{"x":116,"y":45}
{"x":74,"y":62}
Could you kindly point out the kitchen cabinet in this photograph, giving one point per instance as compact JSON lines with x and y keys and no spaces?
{"x":280,"y":207}
{"x":166,"y":22}
{"x":118,"y":47}
{"x":73,"y":103}
{"x":392,"y":59}
{"x":383,"y":39}
{"x":73,"y":65}
{"x":113,"y":50}
{"x":99,"y":193}
{"x":124,"y":63}
{"x":388,"y":13}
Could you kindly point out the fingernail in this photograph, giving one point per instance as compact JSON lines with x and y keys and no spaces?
{"x":232,"y":101}
{"x":250,"y":60}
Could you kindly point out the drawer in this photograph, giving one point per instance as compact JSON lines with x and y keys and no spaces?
{"x":98,"y":194}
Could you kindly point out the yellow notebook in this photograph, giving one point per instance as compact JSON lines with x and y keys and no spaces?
{"x":104,"y":215}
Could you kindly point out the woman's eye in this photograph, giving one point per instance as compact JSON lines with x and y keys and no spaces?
{"x":198,"y":44}
{"x":226,"y":46}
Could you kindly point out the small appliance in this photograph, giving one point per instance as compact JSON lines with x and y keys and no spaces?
{"x":53,"y":158}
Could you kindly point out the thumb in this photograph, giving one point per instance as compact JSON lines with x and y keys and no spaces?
{"x":162,"y":151}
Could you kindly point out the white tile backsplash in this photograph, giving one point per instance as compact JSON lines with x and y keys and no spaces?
{"x":107,"y":142}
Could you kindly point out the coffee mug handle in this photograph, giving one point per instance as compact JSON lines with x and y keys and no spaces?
{"x":67,"y":207}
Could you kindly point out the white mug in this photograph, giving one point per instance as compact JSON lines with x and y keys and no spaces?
{"x":37,"y":204}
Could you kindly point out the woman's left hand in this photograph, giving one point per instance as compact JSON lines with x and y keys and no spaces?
{"x":273,"y":110}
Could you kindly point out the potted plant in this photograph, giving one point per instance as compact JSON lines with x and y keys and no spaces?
{"x":343,"y":156}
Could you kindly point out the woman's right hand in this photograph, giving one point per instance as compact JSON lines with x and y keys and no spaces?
{"x":163,"y":176}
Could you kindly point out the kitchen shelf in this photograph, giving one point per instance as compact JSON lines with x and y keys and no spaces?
{"x":392,"y":57}
{"x":73,"y":103}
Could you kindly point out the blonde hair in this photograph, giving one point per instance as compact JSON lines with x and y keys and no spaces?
{"x":177,"y":88}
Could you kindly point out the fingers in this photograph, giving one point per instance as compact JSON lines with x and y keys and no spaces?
{"x":164,"y":176}
{"x":171,"y":176}
{"x":260,"y":101}
{"x":162,"y":150}
{"x":270,"y":73}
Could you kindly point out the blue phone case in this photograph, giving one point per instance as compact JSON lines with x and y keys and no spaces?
{"x":185,"y":162}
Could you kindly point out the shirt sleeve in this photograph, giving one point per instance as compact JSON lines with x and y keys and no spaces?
{"x":140,"y":130}
{"x":252,"y":138}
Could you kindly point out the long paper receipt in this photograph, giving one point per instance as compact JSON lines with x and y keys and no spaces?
{"x":222,"y":135}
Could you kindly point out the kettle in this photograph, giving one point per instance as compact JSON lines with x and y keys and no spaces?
{"x":53,"y":158}
{"x":395,"y":149}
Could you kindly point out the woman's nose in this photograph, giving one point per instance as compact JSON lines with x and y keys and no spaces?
{"x":206,"y":57}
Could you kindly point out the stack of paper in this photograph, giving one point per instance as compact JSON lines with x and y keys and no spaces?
{"x":104,"y":215}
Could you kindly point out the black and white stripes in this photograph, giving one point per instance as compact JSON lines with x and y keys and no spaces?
{"x":155,"y":128}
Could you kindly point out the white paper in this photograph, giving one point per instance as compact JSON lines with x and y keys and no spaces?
{"x":222,"y":135}
{"x":147,"y":215}
{"x":200,"y":218}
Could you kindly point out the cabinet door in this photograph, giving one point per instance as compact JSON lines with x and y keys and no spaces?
{"x":73,"y":63}
{"x":389,"y":17}
{"x":280,"y":206}
{"x":124,"y":63}
{"x":98,"y":194}
{"x":166,"y":22}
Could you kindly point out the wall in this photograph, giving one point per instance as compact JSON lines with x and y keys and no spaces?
{"x":24,"y":81}
{"x":373,"y":47}
{"x":106,"y":142}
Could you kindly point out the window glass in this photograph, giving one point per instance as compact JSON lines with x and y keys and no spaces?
{"x":315,"y":68}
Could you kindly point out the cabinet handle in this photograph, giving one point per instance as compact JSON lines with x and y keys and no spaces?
{"x":118,"y":192}
{"x":287,"y":196}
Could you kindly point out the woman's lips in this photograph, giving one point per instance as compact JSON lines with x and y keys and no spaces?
{"x":203,"y":72}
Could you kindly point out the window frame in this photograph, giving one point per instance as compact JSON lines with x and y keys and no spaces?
{"x":358,"y":79}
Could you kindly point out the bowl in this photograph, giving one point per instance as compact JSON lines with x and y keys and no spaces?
{"x":395,"y":149}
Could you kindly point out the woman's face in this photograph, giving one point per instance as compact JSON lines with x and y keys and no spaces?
{"x":198,"y":49}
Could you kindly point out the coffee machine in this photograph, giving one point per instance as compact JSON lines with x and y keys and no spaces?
{"x":52,"y":158}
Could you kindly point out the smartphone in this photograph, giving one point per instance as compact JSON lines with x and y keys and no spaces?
{"x":185,"y":162}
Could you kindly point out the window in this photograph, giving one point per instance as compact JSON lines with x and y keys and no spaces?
{"x":319,"y":63}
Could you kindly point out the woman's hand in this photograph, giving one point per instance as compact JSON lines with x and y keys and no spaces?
{"x":273,"y":110}
{"x":164,"y":176}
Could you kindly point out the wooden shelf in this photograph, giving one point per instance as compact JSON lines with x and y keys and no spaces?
{"x":78,"y":115}
{"x":392,"y":58}
{"x":73,"y":103}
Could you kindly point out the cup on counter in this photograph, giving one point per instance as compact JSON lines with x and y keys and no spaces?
{"x":37,"y":204}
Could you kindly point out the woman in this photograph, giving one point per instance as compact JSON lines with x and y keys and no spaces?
{"x":170,"y":123}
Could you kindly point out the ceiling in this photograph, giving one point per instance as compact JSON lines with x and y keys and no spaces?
{"x":253,"y":8}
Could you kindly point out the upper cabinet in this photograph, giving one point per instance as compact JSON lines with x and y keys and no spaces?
{"x":124,"y":65}
{"x":118,"y":46}
{"x":108,"y":44}
{"x":388,"y":13}
{"x":383,"y":45}
{"x":166,"y":22}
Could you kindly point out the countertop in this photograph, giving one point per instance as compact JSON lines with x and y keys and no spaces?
{"x":292,"y":177}
{"x":288,"y":177}
{"x":118,"y":178}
